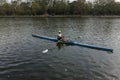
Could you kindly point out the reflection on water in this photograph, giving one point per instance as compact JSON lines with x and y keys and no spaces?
{"x":21,"y":56}
{"x":59,"y":45}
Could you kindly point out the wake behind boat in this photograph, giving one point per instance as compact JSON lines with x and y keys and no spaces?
{"x":68,"y":42}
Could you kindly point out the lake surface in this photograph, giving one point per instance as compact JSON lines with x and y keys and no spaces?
{"x":21,"y":56}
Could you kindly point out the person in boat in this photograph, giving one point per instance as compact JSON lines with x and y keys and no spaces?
{"x":60,"y":37}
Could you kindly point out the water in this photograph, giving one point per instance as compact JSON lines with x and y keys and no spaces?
{"x":21,"y":56}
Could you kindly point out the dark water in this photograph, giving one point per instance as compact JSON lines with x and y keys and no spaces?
{"x":21,"y":56}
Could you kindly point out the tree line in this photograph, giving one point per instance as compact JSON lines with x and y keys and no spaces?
{"x":60,"y":7}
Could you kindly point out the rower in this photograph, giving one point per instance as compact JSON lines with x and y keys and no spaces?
{"x":60,"y":36}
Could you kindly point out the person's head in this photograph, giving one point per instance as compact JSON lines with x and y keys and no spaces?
{"x":59,"y":32}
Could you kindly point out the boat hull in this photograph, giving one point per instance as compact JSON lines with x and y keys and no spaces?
{"x":73,"y":43}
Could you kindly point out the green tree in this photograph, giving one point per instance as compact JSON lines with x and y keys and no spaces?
{"x":79,"y":7}
{"x":60,"y":7}
{"x":24,"y":9}
{"x":35,"y":8}
{"x":14,"y":8}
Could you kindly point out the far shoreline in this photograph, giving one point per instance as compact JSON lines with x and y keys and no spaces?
{"x":61,"y":16}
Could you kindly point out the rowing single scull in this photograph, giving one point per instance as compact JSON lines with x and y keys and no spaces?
{"x":69,"y":42}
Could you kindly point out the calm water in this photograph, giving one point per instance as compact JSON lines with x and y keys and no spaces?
{"x":21,"y":56}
